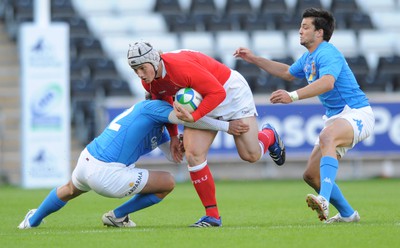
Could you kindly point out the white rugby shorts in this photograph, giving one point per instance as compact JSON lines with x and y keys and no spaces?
{"x":113,"y":180}
{"x":362,"y":120}
{"x":239,"y":101}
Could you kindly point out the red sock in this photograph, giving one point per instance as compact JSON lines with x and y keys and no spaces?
{"x":267,"y":138}
{"x":204,"y":184}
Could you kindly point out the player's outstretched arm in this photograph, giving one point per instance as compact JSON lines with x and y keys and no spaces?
{"x":236,"y":127}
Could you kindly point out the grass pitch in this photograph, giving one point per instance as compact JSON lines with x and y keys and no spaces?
{"x":254,"y":214}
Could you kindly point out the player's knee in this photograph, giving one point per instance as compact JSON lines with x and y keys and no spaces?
{"x":325,"y":140}
{"x":194,"y":158}
{"x":169,"y":182}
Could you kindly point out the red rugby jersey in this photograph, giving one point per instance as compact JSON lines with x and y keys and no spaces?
{"x":187,"y":68}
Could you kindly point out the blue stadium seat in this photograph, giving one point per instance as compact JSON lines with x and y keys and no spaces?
{"x":273,"y":7}
{"x":167,"y":6}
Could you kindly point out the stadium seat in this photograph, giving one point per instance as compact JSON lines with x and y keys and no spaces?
{"x":146,"y":23}
{"x":385,"y":77}
{"x":113,"y":87}
{"x":219,"y":22}
{"x":227,"y":42}
{"x":259,"y":22}
{"x":396,"y":36}
{"x":125,"y":7}
{"x":93,"y":7}
{"x":183,"y":22}
{"x":349,"y":6}
{"x":374,"y":5}
{"x":105,"y":25}
{"x":270,"y":44}
{"x":79,"y":70}
{"x":359,"y":20}
{"x":378,"y":83}
{"x":103,"y":68}
{"x":84,"y":120}
{"x":167,"y":6}
{"x":199,"y":41}
{"x":15,"y":13}
{"x":78,"y":26}
{"x":117,"y":46}
{"x":389,"y":65}
{"x":374,"y":44}
{"x":341,"y":20}
{"x":301,"y":5}
{"x":238,"y":7}
{"x":249,"y":71}
{"x":62,"y":8}
{"x":160,"y":41}
{"x":288,"y":21}
{"x":273,"y":7}
{"x":387,"y":20}
{"x":203,"y":7}
{"x":82,"y":89}
{"x":88,"y":46}
{"x":359,"y":66}
{"x":346,"y":42}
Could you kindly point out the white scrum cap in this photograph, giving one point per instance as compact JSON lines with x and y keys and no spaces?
{"x":143,"y":52}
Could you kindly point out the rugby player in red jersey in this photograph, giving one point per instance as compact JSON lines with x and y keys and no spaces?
{"x":226,"y":96}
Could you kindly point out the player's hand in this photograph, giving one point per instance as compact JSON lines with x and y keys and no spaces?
{"x":237,"y":127}
{"x":244,"y":53}
{"x":181,"y":145}
{"x":147,"y":95}
{"x":280,"y":96}
{"x":176,"y":151}
{"x":182,"y":114}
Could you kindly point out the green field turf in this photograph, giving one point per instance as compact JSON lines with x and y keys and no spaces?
{"x":255,"y":214}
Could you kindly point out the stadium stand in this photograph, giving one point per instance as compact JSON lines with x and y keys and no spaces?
{"x":270,"y":44}
{"x":199,"y":41}
{"x":226,"y":42}
{"x":273,"y":7}
{"x":346,"y":42}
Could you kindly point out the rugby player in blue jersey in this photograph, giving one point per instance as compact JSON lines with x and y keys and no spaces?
{"x":107,"y":164}
{"x":348,"y":118}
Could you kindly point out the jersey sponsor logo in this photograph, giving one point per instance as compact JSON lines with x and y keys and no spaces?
{"x":135,"y":185}
{"x":154,"y":143}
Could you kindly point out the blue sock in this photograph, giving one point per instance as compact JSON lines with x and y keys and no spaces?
{"x":49,"y":205}
{"x":138,"y":202}
{"x":328,"y":170}
{"x":340,"y":203}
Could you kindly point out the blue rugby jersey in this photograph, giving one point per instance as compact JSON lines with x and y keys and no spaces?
{"x":327,"y":60}
{"x":133,"y":133}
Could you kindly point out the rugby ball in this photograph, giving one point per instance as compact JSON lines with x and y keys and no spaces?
{"x":188,"y":98}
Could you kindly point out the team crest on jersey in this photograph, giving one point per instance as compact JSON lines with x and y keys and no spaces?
{"x":313,"y":72}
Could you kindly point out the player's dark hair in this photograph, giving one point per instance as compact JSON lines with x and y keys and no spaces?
{"x":322,"y":20}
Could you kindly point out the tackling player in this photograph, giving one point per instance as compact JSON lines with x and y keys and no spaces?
{"x":226,"y":96}
{"x":107,"y":167}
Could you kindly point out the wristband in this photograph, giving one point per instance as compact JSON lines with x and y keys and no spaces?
{"x":294,"y":96}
